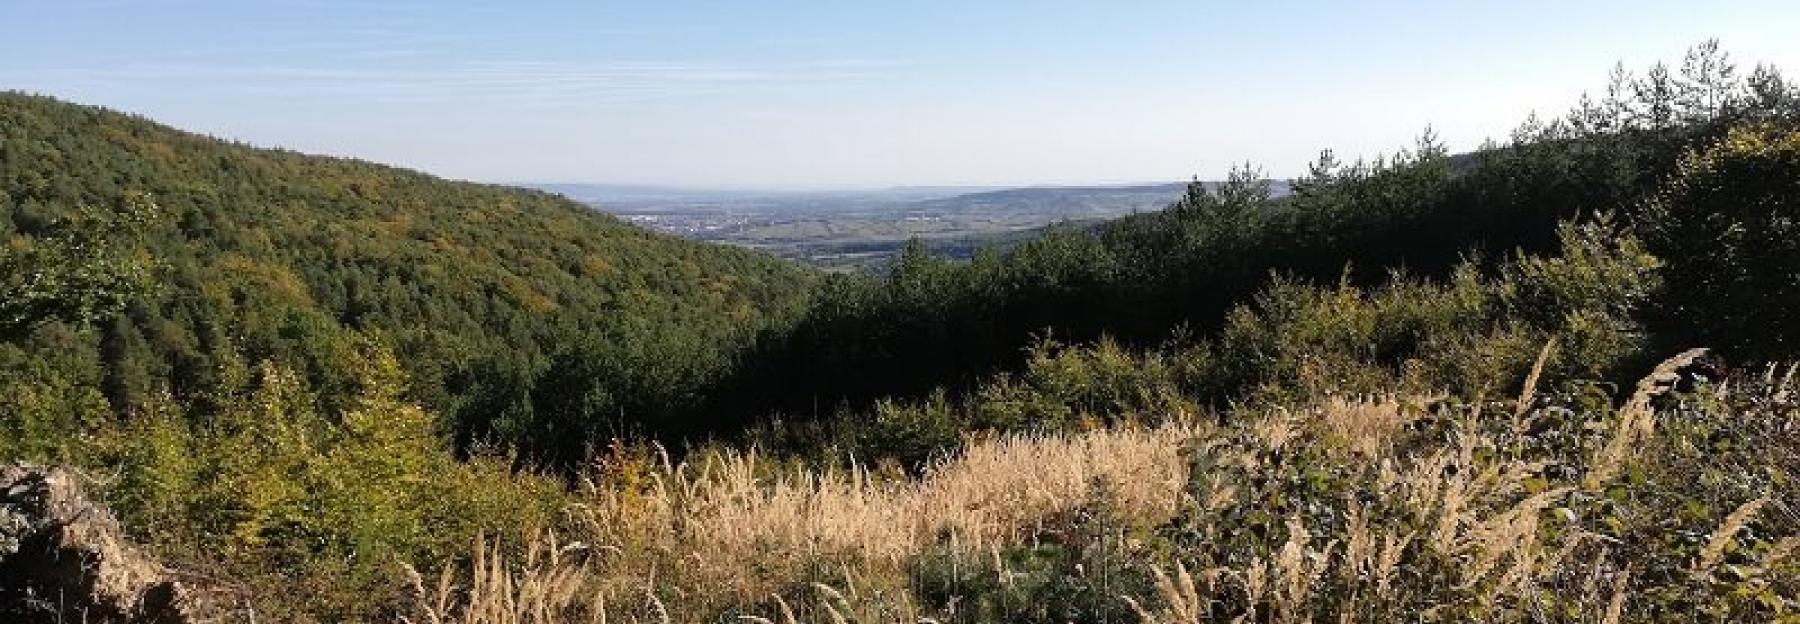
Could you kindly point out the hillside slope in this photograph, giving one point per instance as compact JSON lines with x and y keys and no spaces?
{"x":482,"y":290}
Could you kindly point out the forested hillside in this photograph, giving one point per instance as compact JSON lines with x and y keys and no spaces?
{"x":520,"y":316}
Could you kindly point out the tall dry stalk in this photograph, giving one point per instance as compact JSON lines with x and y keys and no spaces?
{"x":1527,"y":392}
{"x":1727,"y":531}
{"x":549,"y":588}
{"x":1636,"y":422}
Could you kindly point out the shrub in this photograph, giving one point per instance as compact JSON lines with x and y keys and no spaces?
{"x":1467,"y":335}
{"x":1728,"y":228}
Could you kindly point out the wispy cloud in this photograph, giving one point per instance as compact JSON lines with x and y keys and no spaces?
{"x":384,"y":51}
{"x":516,"y":83}
{"x":378,"y":7}
{"x":355,"y":43}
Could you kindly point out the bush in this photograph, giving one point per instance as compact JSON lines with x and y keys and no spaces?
{"x":1468,"y":335}
{"x":276,"y":491}
{"x":1076,"y":570}
{"x":1728,"y":228}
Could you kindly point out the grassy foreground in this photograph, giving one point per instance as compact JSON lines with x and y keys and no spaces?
{"x":1554,"y":506}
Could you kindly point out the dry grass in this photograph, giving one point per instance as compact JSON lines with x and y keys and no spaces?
{"x":732,"y":529}
{"x":1472,"y":532}
{"x":1366,"y":428}
{"x":1726,"y":533}
{"x":1451,"y":522}
{"x":552,"y":586}
{"x":1636,"y":422}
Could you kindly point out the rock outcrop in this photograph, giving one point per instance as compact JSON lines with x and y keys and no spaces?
{"x":64,"y":558}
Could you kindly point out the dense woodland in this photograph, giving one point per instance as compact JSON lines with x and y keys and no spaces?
{"x":521,"y":316}
{"x":295,"y":370}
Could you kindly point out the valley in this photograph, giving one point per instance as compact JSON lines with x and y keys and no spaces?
{"x":862,"y":230}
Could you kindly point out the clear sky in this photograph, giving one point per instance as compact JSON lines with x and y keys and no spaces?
{"x":852,"y":93}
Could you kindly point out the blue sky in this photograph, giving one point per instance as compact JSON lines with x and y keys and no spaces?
{"x":853,"y":94}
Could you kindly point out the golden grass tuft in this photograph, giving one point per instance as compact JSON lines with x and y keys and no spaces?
{"x":549,"y":587}
{"x":1727,"y":531}
{"x":1636,"y":422}
{"x":1450,"y":521}
{"x":735,"y":528}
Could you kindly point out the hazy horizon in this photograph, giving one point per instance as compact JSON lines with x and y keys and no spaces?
{"x":790,"y":96}
{"x":829,"y":189}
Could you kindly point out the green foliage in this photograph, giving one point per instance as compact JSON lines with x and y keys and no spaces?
{"x":1728,"y":226}
{"x":1467,"y":335}
{"x":160,"y":465}
{"x":49,"y":395}
{"x":1077,"y":569}
{"x":79,"y":269}
{"x":911,"y":433}
{"x":1421,"y":212}
{"x":272,"y":255}
{"x":275,"y":491}
{"x":1716,"y":450}
{"x":1065,"y":388}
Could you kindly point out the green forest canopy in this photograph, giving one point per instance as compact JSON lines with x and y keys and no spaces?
{"x":492,"y":297}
